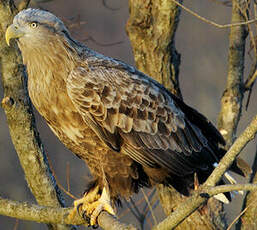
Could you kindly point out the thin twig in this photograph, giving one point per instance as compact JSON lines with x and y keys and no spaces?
{"x":135,"y":211}
{"x":108,"y":7}
{"x":90,"y":38}
{"x":68,"y":176}
{"x":249,"y":83}
{"x":211,"y":22}
{"x":150,"y":196}
{"x":150,"y":207}
{"x":225,"y":3}
{"x":239,"y":215}
{"x":251,"y":79}
{"x":16,"y":224}
{"x":57,"y":181}
{"x":212,"y":191}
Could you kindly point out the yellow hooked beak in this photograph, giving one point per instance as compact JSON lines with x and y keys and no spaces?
{"x":12,"y":32}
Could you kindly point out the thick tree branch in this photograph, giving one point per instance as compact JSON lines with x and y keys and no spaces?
{"x":249,"y":218}
{"x":151,"y":28}
{"x":55,"y":215}
{"x":21,"y":122}
{"x":26,"y":139}
{"x":231,"y":102}
{"x":194,"y":201}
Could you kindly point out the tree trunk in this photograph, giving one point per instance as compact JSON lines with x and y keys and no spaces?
{"x":249,"y":218}
{"x":151,"y":28}
{"x":21,"y":122}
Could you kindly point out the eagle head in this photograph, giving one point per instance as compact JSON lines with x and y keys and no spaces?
{"x":34,"y":26}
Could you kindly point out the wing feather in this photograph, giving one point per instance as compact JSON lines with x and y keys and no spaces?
{"x":133,"y":114}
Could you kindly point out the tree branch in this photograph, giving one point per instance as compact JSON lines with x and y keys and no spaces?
{"x":25,"y":137}
{"x":212,"y":191}
{"x":249,"y":218}
{"x":252,"y":77}
{"x":214,"y":23}
{"x":55,"y":215}
{"x":151,"y":28}
{"x":231,"y":102}
{"x":21,"y":120}
{"x":194,"y":201}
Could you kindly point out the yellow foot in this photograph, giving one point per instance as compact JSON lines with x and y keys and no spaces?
{"x":92,"y":204}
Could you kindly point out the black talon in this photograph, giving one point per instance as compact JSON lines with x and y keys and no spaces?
{"x":85,"y":217}
{"x":95,"y":226}
{"x":79,"y":207}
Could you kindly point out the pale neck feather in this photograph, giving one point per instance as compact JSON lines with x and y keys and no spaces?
{"x":48,"y":67}
{"x":48,"y":59}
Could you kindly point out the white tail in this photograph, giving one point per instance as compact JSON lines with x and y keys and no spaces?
{"x":228,"y":179}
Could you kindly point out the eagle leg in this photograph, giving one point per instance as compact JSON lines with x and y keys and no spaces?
{"x":91,"y":204}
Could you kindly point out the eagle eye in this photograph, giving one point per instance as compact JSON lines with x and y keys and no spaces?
{"x":33,"y":24}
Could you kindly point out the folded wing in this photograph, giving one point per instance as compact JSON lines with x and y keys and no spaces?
{"x":135,"y":115}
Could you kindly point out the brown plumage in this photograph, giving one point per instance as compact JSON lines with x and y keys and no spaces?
{"x":127,"y":127}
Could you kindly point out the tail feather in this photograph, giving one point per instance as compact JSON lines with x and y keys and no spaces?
{"x":231,"y":180}
{"x":227,"y":179}
{"x":222,"y":197}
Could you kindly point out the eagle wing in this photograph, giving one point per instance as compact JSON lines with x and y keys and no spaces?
{"x":135,"y":115}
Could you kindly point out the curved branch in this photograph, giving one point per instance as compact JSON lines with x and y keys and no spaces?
{"x":214,"y":23}
{"x":194,"y":201}
{"x":55,"y":215}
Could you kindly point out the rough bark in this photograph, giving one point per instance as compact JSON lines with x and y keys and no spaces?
{"x":249,"y":218}
{"x":151,"y":28}
{"x":231,"y":102}
{"x":43,"y":214}
{"x":21,"y":121}
{"x":232,"y":99}
{"x":25,"y":137}
{"x":32,"y":212}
